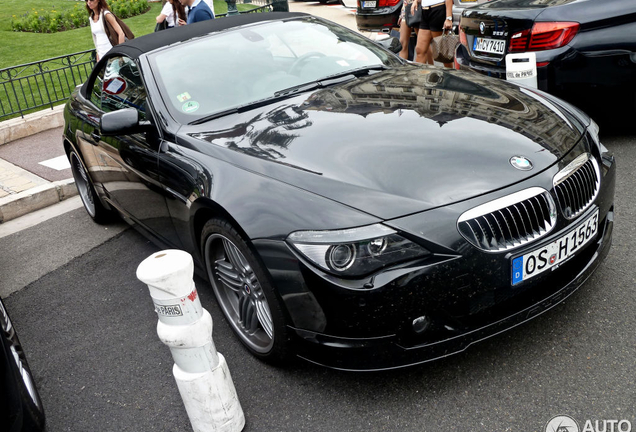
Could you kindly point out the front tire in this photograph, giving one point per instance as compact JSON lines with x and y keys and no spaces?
{"x":86,"y":191}
{"x":244,"y":292}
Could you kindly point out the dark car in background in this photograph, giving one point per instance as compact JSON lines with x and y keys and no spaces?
{"x":20,"y":405}
{"x":348,"y":207}
{"x":585,"y":49}
{"x":460,"y":5}
{"x":378,"y":15}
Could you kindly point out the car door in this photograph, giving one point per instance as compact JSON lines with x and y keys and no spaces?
{"x":127,"y":164}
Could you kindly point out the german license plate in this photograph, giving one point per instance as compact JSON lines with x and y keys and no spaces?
{"x":369,"y":4}
{"x":492,"y":46}
{"x":554,"y":254}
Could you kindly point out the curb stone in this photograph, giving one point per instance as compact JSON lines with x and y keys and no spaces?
{"x":16,"y":205}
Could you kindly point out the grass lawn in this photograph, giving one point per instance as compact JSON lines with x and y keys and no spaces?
{"x":19,"y":47}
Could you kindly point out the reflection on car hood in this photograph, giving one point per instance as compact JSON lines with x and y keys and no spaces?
{"x":400,"y":141}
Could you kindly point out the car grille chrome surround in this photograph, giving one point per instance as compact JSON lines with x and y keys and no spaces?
{"x":509,"y":222}
{"x":577,"y":185}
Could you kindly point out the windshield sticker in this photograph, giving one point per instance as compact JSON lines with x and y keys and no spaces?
{"x":190,"y":106}
{"x":184,"y":97}
{"x":342,"y":63}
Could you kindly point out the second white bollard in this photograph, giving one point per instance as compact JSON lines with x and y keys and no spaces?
{"x":202,"y":375}
{"x":521,"y":68}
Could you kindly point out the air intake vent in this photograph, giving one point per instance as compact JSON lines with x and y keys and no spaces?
{"x":577,"y":185}
{"x":509,"y":222}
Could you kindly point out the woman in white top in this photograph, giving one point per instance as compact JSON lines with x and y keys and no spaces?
{"x":98,"y":12}
{"x":437,"y":16}
{"x":167,"y":14}
{"x":172,"y":11}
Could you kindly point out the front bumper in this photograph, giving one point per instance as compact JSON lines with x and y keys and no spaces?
{"x":390,"y":352}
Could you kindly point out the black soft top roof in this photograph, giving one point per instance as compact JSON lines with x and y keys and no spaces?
{"x":138,"y":46}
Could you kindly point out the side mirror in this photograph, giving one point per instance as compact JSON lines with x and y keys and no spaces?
{"x":122,"y":122}
{"x":391,"y":43}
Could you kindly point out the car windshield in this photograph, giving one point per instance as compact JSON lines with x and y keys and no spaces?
{"x":240,"y":67}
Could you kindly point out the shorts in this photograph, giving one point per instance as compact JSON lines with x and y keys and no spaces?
{"x":433,"y":18}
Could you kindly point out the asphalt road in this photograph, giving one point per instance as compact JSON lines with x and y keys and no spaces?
{"x":89,"y":331}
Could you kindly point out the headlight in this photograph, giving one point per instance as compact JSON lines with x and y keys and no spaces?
{"x":355,"y":252}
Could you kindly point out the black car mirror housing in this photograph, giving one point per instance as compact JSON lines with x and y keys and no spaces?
{"x":391,"y":43}
{"x":123,"y":121}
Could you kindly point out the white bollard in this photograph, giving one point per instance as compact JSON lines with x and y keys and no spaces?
{"x":521,"y":68}
{"x":202,"y":375}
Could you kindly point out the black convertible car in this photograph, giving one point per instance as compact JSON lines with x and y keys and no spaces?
{"x":586,"y":49}
{"x":348,"y":207}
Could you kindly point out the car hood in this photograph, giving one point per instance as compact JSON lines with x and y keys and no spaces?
{"x":399,"y":141}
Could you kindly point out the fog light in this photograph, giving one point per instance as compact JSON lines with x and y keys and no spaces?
{"x":421,"y":324}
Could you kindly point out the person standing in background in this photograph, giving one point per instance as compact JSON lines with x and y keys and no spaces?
{"x":167,"y":15}
{"x":198,"y":11}
{"x":405,"y":30}
{"x":210,"y":4}
{"x":437,"y":16}
{"x":98,"y":12}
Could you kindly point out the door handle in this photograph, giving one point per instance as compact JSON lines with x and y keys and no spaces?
{"x":97,"y":137}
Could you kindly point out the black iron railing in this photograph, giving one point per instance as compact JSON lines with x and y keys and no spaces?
{"x":31,"y":86}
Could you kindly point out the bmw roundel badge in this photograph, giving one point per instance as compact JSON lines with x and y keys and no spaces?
{"x":482,"y":27}
{"x":521,"y":163}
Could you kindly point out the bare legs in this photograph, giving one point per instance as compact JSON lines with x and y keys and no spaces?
{"x":405,"y":36}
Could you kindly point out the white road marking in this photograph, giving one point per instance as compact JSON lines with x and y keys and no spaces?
{"x":59,"y":163}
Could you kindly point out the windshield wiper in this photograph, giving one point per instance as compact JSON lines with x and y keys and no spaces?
{"x":326,"y":81}
{"x":357,"y":72}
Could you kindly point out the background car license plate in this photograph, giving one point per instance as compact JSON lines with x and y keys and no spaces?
{"x":493,"y":46}
{"x":369,"y":4}
{"x":536,"y":262}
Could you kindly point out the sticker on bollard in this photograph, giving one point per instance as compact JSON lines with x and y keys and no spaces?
{"x":202,"y":374}
{"x":168,"y":310}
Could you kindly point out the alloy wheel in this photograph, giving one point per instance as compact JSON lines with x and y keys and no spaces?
{"x":239,"y":292}
{"x":82,"y":184}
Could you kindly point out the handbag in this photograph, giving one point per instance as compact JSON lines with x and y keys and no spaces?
{"x":443,"y":47}
{"x":413,"y":20}
{"x":162,"y":25}
{"x":112,"y":34}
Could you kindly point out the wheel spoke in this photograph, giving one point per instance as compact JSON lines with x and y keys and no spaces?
{"x":226,"y":273}
{"x":233,"y":256}
{"x":253,"y":318}
{"x":264,"y":318}
{"x":243,"y":310}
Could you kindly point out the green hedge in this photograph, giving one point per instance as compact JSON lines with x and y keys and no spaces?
{"x":53,"y":21}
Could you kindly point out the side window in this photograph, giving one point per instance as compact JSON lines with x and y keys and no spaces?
{"x":118,"y":85}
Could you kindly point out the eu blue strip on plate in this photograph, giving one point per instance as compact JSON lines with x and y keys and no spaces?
{"x":517,"y":270}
